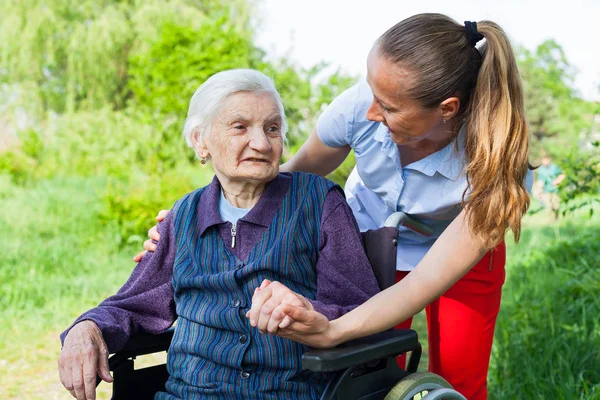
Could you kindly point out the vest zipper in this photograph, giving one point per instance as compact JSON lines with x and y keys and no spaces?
{"x":491,"y":259}
{"x":232,"y":236}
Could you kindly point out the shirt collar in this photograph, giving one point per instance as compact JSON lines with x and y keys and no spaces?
{"x":448,"y":161}
{"x":261,"y":214}
{"x":382,"y":134}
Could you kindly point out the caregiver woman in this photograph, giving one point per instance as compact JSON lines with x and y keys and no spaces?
{"x":439,"y":132}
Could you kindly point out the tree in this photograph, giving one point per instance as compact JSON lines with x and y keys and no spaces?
{"x":554,"y":111}
{"x":562,"y":124}
{"x":104,"y":87}
{"x":74,"y":54}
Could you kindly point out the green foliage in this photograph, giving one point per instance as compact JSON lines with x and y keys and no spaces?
{"x":51,"y":233}
{"x":581,"y":185}
{"x":548,"y":331}
{"x":547,"y":79}
{"x":165,"y":77}
{"x":17,"y":166}
{"x":305,"y":92}
{"x":131,"y":204}
{"x":31,"y":144}
{"x":19,"y":163}
{"x":562,"y":124}
{"x":557,"y":117}
{"x":76,"y":53}
{"x":109,"y":83}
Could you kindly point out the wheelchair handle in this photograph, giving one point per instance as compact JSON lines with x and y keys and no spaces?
{"x":400,"y":218}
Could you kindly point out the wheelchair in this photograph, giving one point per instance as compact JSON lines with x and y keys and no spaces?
{"x":363,"y":369}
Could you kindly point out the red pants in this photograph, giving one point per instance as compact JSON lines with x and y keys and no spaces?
{"x":460,"y":326}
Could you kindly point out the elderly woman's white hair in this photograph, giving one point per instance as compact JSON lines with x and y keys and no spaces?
{"x":208,"y":99}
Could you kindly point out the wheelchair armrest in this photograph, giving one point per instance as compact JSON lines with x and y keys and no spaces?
{"x":360,"y":351}
{"x":146,"y":343}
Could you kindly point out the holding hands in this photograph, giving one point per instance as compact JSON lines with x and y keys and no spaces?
{"x":275,"y":308}
{"x":278,"y":310}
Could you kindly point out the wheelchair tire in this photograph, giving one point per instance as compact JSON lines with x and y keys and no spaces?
{"x":421,"y":386}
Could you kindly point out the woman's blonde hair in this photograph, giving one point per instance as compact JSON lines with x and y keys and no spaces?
{"x":445,"y":63}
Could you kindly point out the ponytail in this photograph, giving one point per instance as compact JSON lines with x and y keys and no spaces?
{"x":497,"y":143}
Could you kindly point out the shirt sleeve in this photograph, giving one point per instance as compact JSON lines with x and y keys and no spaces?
{"x":557,"y":171}
{"x":345,"y":278}
{"x":335,"y":124}
{"x":145,"y":302}
{"x":529,"y":181}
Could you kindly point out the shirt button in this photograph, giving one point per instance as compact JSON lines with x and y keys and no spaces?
{"x":245,"y":374}
{"x":243,"y":339}
{"x":235,"y":303}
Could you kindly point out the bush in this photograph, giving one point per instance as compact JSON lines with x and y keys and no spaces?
{"x":548,"y":331}
{"x":582,"y":178}
{"x":131,"y":204}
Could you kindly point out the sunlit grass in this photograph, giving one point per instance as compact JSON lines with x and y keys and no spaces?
{"x":547,"y":343}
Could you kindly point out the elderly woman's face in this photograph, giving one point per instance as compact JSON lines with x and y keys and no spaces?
{"x":245,"y":142}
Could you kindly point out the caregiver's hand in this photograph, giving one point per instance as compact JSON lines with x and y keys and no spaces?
{"x":268,"y":303}
{"x":153,"y":234}
{"x":310,"y":327}
{"x":84,"y":354}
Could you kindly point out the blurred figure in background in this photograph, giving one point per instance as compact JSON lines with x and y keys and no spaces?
{"x":549,"y":176}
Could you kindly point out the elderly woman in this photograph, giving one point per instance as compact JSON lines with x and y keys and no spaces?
{"x":218,"y":243}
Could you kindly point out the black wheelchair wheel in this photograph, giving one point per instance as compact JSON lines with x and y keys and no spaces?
{"x":423,"y":386}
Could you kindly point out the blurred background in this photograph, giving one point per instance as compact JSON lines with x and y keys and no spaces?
{"x":93,"y":95}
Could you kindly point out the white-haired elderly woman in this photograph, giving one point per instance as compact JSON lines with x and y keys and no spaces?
{"x":251,"y":225}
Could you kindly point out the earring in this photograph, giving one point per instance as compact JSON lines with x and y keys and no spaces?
{"x":202,"y":160}
{"x":444,"y":120}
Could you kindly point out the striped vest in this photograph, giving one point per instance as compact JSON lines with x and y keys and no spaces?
{"x":215,"y":352}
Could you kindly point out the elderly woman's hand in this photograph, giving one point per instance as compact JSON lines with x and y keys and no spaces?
{"x":84,"y":354}
{"x":268,"y":303}
{"x":150,"y":245}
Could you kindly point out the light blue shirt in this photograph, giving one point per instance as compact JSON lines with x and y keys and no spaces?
{"x":430,"y":189}
{"x":230,"y":213}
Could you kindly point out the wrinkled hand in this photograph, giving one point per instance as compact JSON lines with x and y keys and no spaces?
{"x":83,"y":355}
{"x":268,"y":303}
{"x":153,"y":234}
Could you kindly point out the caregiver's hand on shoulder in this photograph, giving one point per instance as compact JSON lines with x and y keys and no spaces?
{"x":268,"y":303}
{"x":84,"y":354}
{"x":153,"y":234}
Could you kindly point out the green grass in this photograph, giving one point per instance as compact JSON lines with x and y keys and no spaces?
{"x":55,"y":256}
{"x":547,"y":343}
{"x":58,"y":259}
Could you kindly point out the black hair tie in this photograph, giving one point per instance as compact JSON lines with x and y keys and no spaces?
{"x":473,"y":36}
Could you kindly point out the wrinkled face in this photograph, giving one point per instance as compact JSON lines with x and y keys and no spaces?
{"x":245,"y":141}
{"x":407,"y":121}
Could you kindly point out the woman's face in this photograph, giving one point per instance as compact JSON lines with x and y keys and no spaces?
{"x":245,"y":141}
{"x":407,"y":121}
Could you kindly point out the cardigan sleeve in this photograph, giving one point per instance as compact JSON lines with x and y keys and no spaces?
{"x":345,"y":278}
{"x":145,"y":302}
